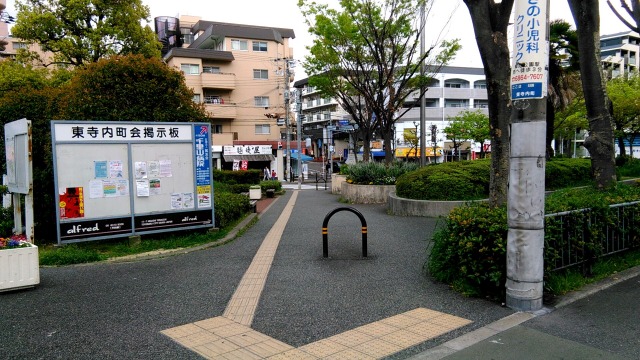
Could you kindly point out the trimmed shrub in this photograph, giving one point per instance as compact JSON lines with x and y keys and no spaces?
{"x":462,"y":180}
{"x":271,"y":184}
{"x":251,"y":177}
{"x":562,"y":173}
{"x":375,"y":173}
{"x":229,"y":208}
{"x":469,"y":250}
{"x":469,"y":180}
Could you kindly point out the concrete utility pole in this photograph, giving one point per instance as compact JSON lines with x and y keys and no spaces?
{"x":525,"y":198}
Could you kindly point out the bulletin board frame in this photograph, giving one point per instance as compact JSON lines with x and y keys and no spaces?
{"x":120,"y":179}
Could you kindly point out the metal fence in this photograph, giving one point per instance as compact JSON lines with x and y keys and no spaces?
{"x":581,"y":236}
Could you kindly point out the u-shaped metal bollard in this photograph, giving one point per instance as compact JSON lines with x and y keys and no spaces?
{"x":325,"y":231}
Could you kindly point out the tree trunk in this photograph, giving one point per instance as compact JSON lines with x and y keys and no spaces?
{"x":600,"y":140}
{"x":490,"y":22}
{"x":623,"y":150}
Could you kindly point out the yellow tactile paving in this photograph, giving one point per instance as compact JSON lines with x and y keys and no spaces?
{"x":230,"y":336}
{"x":244,"y":301}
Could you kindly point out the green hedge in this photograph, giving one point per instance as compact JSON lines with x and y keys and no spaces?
{"x":376,"y":173}
{"x":469,"y":246}
{"x":271,"y":184}
{"x":229,"y":207}
{"x":469,"y":180}
{"x":250,"y":177}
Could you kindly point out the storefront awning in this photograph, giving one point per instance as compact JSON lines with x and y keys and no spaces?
{"x":249,"y":157}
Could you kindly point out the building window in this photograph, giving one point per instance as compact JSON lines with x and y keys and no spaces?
{"x":261,"y":101}
{"x":190,"y":69}
{"x":216,"y":129}
{"x":187,"y":36}
{"x":456,"y":103}
{"x":260,"y":74}
{"x":239,"y":45}
{"x":211,"y":69}
{"x":19,"y":45}
{"x":260,"y":46}
{"x":481,"y":104}
{"x":263,"y":129}
{"x":196,"y":98}
{"x":480,"y":84}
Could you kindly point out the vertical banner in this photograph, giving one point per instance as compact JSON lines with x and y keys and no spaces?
{"x":203,"y":165}
{"x":529,"y":72}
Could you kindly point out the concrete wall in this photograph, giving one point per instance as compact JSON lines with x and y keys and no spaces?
{"x":366,"y":194}
{"x":428,"y":208}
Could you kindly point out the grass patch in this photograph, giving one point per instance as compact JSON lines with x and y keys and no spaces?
{"x":562,"y":282}
{"x":107,"y":249}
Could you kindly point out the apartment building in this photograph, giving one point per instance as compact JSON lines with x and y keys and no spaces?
{"x":9,"y":45}
{"x":452,"y":90}
{"x":619,"y":53}
{"x":239,"y":72}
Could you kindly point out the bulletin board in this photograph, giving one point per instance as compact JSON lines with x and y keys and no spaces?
{"x":116,"y":179}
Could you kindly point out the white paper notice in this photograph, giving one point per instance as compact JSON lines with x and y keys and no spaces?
{"x":187,"y":200}
{"x":95,"y":189}
{"x":165,"y":168}
{"x":116,"y":169}
{"x":141,"y":169}
{"x":154,"y":169}
{"x":142,"y":187}
{"x":176,"y":201}
{"x":123,"y":187}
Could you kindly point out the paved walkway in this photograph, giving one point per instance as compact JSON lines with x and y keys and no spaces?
{"x":271,"y":294}
{"x":230,"y":336}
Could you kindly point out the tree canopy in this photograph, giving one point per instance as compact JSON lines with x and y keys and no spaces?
{"x":367,"y":56}
{"x":130,"y":88}
{"x":83,"y":31}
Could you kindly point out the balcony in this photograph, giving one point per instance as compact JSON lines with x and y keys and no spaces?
{"x":219,"y":110}
{"x":225,"y":81}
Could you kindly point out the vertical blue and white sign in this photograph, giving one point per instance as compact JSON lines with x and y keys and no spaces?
{"x":203,"y":165}
{"x":529,"y":71}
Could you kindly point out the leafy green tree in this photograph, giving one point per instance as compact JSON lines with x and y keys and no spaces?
{"x":586,"y":14}
{"x":456,"y":132}
{"x":490,"y":20}
{"x":84,"y":31}
{"x":569,"y":122}
{"x":625,"y":95}
{"x":130,"y":88}
{"x":367,"y":56}
{"x":471,"y":125}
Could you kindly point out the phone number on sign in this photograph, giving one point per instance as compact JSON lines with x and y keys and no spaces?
{"x":525,"y":77}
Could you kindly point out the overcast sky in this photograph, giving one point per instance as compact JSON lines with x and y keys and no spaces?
{"x":285,"y":14}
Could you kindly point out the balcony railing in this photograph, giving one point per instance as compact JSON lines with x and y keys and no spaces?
{"x":218,"y":81}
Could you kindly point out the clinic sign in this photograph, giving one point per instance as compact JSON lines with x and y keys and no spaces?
{"x":529,"y":72}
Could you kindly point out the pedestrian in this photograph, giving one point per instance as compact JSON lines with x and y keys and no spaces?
{"x":267,"y":173}
{"x":273,"y":175}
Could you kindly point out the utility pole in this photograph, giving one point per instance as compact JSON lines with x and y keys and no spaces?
{"x":525,"y":198}
{"x":423,"y":147}
{"x":298,"y":139}
{"x":286,"y":118}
